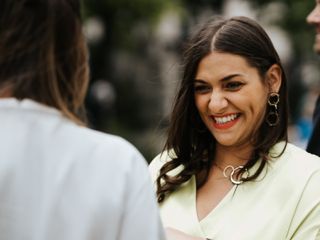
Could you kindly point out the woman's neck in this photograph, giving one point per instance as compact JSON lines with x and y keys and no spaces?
{"x":234,"y":156}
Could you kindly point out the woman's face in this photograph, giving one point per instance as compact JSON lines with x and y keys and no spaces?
{"x":230,"y":97}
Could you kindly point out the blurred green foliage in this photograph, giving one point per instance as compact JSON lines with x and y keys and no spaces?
{"x":294,"y":22}
{"x":129,"y":40}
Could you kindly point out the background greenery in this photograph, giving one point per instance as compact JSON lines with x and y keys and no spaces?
{"x":134,"y":61}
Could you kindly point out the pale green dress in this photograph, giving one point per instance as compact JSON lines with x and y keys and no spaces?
{"x":283,"y":203}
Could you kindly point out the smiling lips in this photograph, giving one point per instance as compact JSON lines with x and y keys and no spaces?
{"x":225,"y":121}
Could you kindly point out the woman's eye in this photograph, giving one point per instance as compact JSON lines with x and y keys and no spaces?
{"x":233,"y":85}
{"x":201,"y":88}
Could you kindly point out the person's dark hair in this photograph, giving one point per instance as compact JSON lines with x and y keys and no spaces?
{"x":191,"y":144}
{"x":43,"y":54}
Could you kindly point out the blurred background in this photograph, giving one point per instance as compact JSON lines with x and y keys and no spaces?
{"x":135,"y":49}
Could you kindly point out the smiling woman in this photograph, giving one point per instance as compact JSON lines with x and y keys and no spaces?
{"x":227,"y":106}
{"x":227,"y":170}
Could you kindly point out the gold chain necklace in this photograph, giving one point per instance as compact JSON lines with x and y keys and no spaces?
{"x":232,"y":173}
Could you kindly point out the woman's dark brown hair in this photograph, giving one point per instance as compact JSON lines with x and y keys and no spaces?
{"x":43,"y":54}
{"x":192,"y":145}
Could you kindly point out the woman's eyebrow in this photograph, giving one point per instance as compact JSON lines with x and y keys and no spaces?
{"x":224,"y":79}
{"x":229,"y":77}
{"x":199,"y":81}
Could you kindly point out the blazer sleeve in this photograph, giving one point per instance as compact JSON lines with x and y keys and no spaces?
{"x":141,"y":219}
{"x":306,"y":221}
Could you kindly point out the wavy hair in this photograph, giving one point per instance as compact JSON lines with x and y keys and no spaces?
{"x":192,"y":145}
{"x":43,"y":54}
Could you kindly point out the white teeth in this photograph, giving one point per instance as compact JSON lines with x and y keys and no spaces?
{"x":222,"y":120}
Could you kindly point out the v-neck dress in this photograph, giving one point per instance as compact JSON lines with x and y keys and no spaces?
{"x":283,"y":203}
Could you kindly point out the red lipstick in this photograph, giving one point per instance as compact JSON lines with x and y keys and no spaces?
{"x":223,"y":122}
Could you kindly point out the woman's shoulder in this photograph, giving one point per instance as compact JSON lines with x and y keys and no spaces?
{"x":299,"y":156}
{"x":102,"y":148}
{"x":297,"y":160}
{"x":301,"y":176}
{"x":158,"y":162}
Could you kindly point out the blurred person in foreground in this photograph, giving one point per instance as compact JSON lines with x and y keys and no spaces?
{"x":314,"y":141}
{"x":227,"y":170}
{"x":58,"y":179}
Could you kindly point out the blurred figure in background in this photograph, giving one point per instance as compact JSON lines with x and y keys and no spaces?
{"x":314,"y":142}
{"x":58,"y":179}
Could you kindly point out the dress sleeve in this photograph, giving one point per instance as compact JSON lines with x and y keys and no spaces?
{"x":141,"y":218}
{"x":306,"y":221}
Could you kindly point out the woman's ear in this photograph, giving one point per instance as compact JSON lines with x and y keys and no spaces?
{"x":274,"y":78}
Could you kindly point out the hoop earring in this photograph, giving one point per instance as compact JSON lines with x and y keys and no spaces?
{"x":273,"y":116}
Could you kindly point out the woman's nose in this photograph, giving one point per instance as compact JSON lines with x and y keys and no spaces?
{"x":217,"y":102}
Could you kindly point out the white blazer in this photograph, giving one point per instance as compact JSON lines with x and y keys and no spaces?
{"x":60,"y":181}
